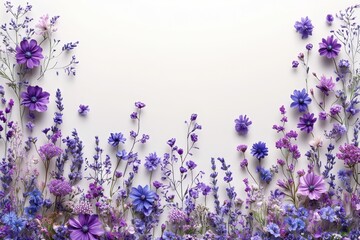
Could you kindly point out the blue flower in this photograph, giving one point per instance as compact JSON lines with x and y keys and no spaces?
{"x":152,"y":161}
{"x":143,"y":199}
{"x":273,"y":229}
{"x":241,"y":124}
{"x":301,"y":100}
{"x":295,"y":224}
{"x":327,"y":213}
{"x":259,"y":150}
{"x":265,"y":175}
{"x":116,"y":138}
{"x":304,"y":27}
{"x":11,"y":220}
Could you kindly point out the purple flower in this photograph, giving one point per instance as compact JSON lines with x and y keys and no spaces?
{"x":329,"y":47}
{"x":273,"y":229}
{"x":35,"y":99}
{"x":29,"y":53}
{"x":309,"y":46}
{"x":116,"y":138}
{"x":191,"y":165}
{"x":83,"y":109}
{"x":151,"y":162}
{"x":344,"y":64}
{"x":49,"y":151}
{"x":304,"y":27}
{"x":139,"y":105}
{"x":143,"y":199}
{"x":259,"y":150}
{"x":312,"y":186}
{"x":85,"y":227}
{"x":322,"y":115}
{"x":326,"y":85}
{"x":244,"y":163}
{"x":301,"y":100}
{"x":306,"y":122}
{"x":350,"y":154}
{"x":241,"y":148}
{"x":329,"y":19}
{"x":241,"y":124}
{"x":335,"y":109}
{"x":59,"y":187}
{"x":295,"y":64}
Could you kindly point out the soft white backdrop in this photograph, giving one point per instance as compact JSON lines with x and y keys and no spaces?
{"x":218,"y":59}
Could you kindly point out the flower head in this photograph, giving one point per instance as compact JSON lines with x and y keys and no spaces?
{"x":350,"y":154}
{"x":143,"y":199}
{"x":306,"y":122}
{"x":35,"y":99}
{"x":326,"y":85}
{"x":273,"y":229}
{"x":29,"y":53}
{"x":259,"y":150}
{"x":301,"y":100}
{"x":45,"y":25}
{"x":83,"y":110}
{"x":329,"y":19}
{"x":49,"y":151}
{"x":241,"y":124}
{"x":116,"y":138}
{"x":304,"y":27}
{"x":151,"y":162}
{"x":85,"y":227}
{"x":59,"y":187}
{"x":329,"y":47}
{"x":312,"y":186}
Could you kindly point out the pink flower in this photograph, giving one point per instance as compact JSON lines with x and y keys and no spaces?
{"x":45,"y":25}
{"x":312,"y":186}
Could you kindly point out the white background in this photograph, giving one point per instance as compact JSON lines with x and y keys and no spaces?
{"x":218,"y":59}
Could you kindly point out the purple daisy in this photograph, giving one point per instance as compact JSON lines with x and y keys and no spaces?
{"x":306,"y":122}
{"x":35,"y":99}
{"x":312,"y":186}
{"x":329,"y":47}
{"x":29,"y":53}
{"x":85,"y":227}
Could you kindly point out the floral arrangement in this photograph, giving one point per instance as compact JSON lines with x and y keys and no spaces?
{"x":50,"y":190}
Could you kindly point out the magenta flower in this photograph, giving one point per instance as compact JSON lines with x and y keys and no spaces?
{"x":329,"y":47}
{"x":49,"y":151}
{"x":350,"y":154}
{"x":35,"y":99}
{"x":312,"y":186}
{"x":29,"y":53}
{"x":85,"y":227}
{"x":59,"y":187}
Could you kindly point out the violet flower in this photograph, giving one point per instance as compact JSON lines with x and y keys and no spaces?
{"x":329,"y":47}
{"x":85,"y":227}
{"x":312,"y":186}
{"x":35,"y":99}
{"x":304,"y":27}
{"x":242,"y":124}
{"x":306,"y":122}
{"x":29,"y":54}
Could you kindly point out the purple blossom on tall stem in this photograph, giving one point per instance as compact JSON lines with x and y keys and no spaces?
{"x":29,"y":53}
{"x":35,"y":99}
{"x":326,"y":85}
{"x":329,"y":47}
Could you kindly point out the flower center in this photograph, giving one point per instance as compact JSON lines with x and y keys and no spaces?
{"x":329,"y":48}
{"x":301,"y":100}
{"x":311,"y":188}
{"x":308,"y":123}
{"x":33,"y":99}
{"x":28,"y":54}
{"x":85,"y":229}
{"x":143,"y":197}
